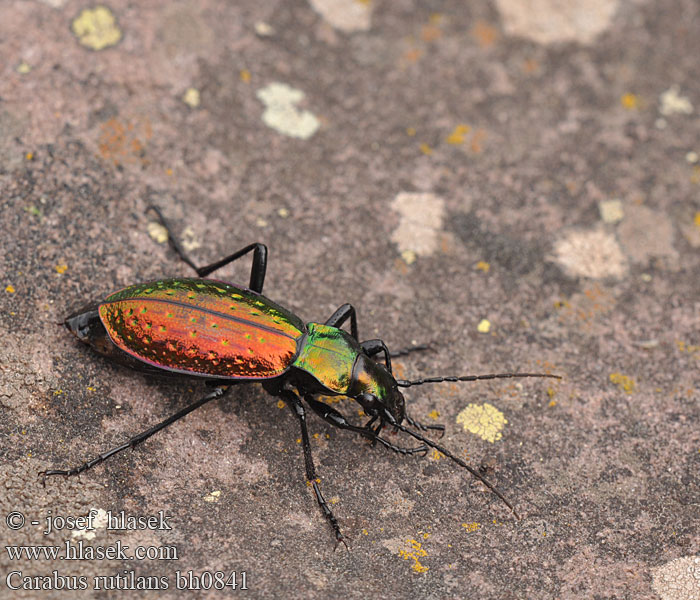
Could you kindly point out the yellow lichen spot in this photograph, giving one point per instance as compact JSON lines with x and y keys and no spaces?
{"x":482,"y":266}
{"x":470,"y":527}
{"x":96,"y":28}
{"x":365,"y":532}
{"x":552,"y":403}
{"x":629,"y":101}
{"x":485,"y":421}
{"x":458,"y":134}
{"x":61,"y":269}
{"x":299,"y":442}
{"x":425,"y":149}
{"x":436,"y":455}
{"x":91,"y":389}
{"x":410,"y":131}
{"x":409,"y":256}
{"x":625,"y":383}
{"x":696,"y":219}
{"x":213,"y":496}
{"x":281,"y":404}
{"x":23,"y":68}
{"x":29,"y":156}
{"x":57,"y":392}
{"x":433,"y":414}
{"x":414,"y":552}
{"x":245,"y":75}
{"x":484,"y":326}
{"x":191,"y":97}
{"x":10,"y":289}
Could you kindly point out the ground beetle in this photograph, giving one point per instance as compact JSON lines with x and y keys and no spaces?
{"x":226,"y":334}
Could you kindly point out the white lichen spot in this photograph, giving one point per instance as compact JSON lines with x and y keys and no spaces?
{"x":672,"y":103}
{"x":485,"y":421}
{"x":678,"y":579}
{"x":189,"y":239}
{"x":345,"y":15}
{"x":422,"y":215}
{"x":213,"y":496}
{"x":263,"y":29}
{"x":157,"y":232}
{"x":98,"y":520}
{"x":595,"y":254}
{"x":281,"y":113}
{"x":191,"y":97}
{"x":611,"y":211}
{"x":692,"y":157}
{"x":23,"y":68}
{"x":551,"y":21}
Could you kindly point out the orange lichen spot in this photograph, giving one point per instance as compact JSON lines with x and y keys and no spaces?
{"x":530,"y":65}
{"x":433,"y":414}
{"x":436,"y":455}
{"x":124,"y":142}
{"x":281,"y":404}
{"x":29,"y":156}
{"x":245,"y":75}
{"x":10,"y":289}
{"x":629,"y":101}
{"x":552,"y":403}
{"x":625,"y":383}
{"x":458,"y":134}
{"x":412,"y":55}
{"x":696,"y":219}
{"x":478,"y":139}
{"x":430,"y":33}
{"x":484,"y":33}
{"x":482,"y":266}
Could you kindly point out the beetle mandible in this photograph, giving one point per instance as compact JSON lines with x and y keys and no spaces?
{"x":227,"y":334}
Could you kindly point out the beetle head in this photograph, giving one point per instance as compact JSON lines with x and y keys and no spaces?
{"x":86,"y":325}
{"x":375,"y":389}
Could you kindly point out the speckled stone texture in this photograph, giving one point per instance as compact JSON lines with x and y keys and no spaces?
{"x":521,"y":188}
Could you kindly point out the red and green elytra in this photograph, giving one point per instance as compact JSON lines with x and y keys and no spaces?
{"x":227,"y":334}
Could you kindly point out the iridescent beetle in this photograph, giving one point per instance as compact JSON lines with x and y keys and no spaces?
{"x":228,"y":335}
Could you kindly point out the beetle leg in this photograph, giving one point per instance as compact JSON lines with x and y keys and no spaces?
{"x":342,"y":314}
{"x":257,"y":272}
{"x":217,"y":393}
{"x":336,"y":418}
{"x":298,"y":409}
{"x":374,"y":347}
{"x":418,"y":425}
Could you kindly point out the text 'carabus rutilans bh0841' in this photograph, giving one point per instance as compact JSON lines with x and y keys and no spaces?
{"x":226,"y":335}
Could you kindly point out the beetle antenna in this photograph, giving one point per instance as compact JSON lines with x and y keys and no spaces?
{"x":422,"y":380}
{"x":460,"y":462}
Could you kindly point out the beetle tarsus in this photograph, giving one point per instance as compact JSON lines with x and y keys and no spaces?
{"x":422,"y":427}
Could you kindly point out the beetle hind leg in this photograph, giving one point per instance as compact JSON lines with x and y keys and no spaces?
{"x":134,"y":441}
{"x":257,"y":271}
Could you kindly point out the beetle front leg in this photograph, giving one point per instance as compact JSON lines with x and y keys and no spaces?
{"x":217,"y":393}
{"x":298,"y":409}
{"x":257,"y":271}
{"x":337,"y":419}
